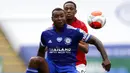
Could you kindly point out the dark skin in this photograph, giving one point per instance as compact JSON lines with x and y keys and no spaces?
{"x":58,"y":17}
{"x":39,"y":63}
{"x":70,"y":11}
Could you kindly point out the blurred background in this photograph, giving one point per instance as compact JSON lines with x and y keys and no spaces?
{"x":22,"y":21}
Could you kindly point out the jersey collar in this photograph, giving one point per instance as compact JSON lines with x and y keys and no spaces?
{"x":64,"y":27}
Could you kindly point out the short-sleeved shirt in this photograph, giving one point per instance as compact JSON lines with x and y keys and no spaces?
{"x":63,"y":46}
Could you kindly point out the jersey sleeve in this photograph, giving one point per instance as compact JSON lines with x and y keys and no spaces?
{"x":83,"y":35}
{"x":42,"y":41}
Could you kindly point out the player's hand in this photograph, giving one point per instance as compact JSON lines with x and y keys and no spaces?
{"x":106,"y":65}
{"x":83,"y":47}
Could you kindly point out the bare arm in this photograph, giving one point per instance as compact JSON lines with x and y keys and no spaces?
{"x":43,"y":67}
{"x":41,"y":51}
{"x":95,"y":41}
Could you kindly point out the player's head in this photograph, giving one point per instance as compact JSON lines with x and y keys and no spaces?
{"x":58,"y":17}
{"x":70,"y":9}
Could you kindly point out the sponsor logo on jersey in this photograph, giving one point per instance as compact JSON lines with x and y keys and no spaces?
{"x":60,"y":50}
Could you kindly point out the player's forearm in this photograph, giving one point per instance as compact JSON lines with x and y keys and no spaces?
{"x":101,"y":49}
{"x":41,"y":52}
{"x":95,"y":41}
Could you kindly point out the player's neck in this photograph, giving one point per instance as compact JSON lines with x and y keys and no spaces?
{"x":70,"y":21}
{"x":59,"y":29}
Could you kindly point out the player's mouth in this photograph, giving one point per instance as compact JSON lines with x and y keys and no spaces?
{"x":59,"y":22}
{"x":68,"y":15}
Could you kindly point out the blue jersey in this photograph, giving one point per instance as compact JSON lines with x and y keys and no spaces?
{"x":62,"y":46}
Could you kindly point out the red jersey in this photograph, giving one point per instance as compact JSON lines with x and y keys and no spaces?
{"x":80,"y":55}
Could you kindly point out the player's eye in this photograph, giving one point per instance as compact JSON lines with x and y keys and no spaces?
{"x":62,"y":15}
{"x":55,"y":16}
{"x":65,"y":8}
{"x":71,"y":8}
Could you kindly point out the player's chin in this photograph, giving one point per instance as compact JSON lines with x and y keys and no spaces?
{"x":61,"y":25}
{"x":69,"y":17}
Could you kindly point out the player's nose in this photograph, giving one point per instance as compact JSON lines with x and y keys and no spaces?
{"x":68,"y":11}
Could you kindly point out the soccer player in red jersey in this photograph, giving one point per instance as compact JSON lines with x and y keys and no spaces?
{"x":70,"y":10}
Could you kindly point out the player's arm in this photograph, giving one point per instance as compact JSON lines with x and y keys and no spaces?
{"x":95,"y":41}
{"x":42,"y":47}
{"x":43,"y":68}
{"x":41,"y":51}
{"x":38,"y":63}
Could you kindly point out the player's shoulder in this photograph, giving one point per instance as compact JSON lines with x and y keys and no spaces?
{"x":81,"y":23}
{"x":47,"y":31}
{"x":71,"y":27}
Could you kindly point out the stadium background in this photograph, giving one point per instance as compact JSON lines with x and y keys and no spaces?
{"x":22,"y":21}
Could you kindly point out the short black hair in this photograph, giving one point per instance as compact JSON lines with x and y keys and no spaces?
{"x":71,"y":3}
{"x":57,"y":9}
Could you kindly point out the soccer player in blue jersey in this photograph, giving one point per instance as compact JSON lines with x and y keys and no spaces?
{"x":61,"y":41}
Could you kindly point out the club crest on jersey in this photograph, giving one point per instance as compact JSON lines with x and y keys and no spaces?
{"x":68,"y":41}
{"x":59,"y":39}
